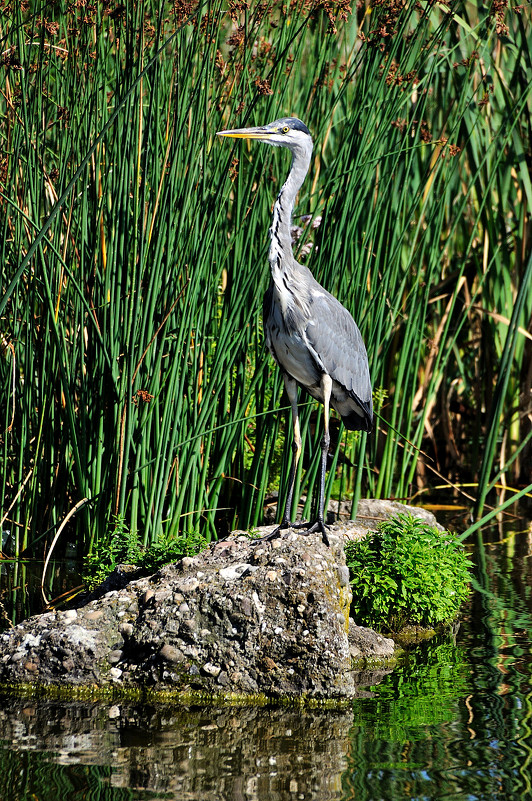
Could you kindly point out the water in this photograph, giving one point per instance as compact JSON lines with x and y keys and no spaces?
{"x":454,"y":722}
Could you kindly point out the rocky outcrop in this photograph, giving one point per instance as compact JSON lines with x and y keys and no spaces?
{"x":240,"y":618}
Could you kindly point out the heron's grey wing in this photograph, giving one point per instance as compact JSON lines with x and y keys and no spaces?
{"x":334,"y":336}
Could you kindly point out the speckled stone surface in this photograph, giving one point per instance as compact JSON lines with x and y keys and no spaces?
{"x":270,"y":618}
{"x":238,"y":619}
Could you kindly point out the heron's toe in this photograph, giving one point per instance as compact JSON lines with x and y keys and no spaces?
{"x":268,"y":537}
{"x":320,"y":526}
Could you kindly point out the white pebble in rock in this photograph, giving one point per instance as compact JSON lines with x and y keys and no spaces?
{"x":235,"y":571}
{"x":114,"y":657}
{"x":211,"y":670}
{"x":115,"y":673}
{"x":245,"y":605}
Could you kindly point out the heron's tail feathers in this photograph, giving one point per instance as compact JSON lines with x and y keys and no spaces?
{"x":359,"y":418}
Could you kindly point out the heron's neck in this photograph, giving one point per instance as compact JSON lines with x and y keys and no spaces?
{"x":281,"y":255}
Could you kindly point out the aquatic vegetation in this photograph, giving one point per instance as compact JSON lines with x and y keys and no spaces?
{"x":407,"y":573}
{"x":132,"y":366}
{"x":121,"y":547}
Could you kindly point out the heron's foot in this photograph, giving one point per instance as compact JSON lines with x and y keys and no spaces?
{"x":300,"y":524}
{"x":284,"y":526}
{"x":320,"y":526}
{"x":271,"y":536}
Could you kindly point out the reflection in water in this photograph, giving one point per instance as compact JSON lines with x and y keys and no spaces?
{"x":201,"y":753}
{"x":453,"y":723}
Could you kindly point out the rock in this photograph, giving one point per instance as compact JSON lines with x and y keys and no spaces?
{"x":370,"y":512}
{"x":239,"y":618}
{"x":367,"y":645}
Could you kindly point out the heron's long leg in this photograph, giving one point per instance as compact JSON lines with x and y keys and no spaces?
{"x":291,"y":391}
{"x":319,"y":525}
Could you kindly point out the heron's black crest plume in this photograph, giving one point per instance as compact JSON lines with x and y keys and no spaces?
{"x":293,"y":123}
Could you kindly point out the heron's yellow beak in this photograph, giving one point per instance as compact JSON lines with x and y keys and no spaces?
{"x":248,"y":133}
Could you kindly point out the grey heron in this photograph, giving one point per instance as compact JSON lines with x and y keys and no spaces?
{"x":311,"y":336}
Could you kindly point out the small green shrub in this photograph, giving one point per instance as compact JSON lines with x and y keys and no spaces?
{"x":407,"y":573}
{"x":123,"y":547}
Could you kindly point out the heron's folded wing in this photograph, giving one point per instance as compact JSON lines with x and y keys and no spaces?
{"x":338,"y":345}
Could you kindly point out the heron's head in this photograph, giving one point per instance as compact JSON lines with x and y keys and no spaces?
{"x":287,"y":132}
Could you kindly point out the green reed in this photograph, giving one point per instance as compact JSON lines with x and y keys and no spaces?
{"x":134,"y":254}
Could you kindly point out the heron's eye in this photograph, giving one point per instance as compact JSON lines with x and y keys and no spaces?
{"x":286,"y":129}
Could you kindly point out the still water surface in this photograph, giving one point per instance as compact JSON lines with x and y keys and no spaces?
{"x":454,"y":722}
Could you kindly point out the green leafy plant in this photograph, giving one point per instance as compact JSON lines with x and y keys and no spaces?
{"x":407,"y":572}
{"x":123,"y":547}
